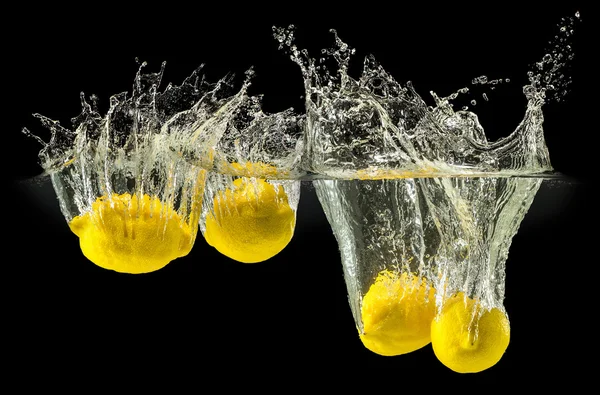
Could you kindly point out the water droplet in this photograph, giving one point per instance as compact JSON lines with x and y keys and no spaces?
{"x":577,"y":14}
{"x":473,"y":102}
{"x":528,"y":89}
{"x":480,"y":80}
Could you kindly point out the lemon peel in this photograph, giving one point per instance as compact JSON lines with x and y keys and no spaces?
{"x":252,"y":169}
{"x":374,"y":173}
{"x":131,"y":235}
{"x":251,"y":222}
{"x":467,"y":338}
{"x":397,"y":311}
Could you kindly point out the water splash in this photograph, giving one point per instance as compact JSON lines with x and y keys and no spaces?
{"x":436,"y":199}
{"x":122,"y":151}
{"x":159,"y":146}
{"x":134,"y":205}
{"x":374,"y":127}
{"x":549,"y":76}
{"x":230,"y":134}
{"x":239,"y":143}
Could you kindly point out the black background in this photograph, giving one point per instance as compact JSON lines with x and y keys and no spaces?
{"x":291,"y":311}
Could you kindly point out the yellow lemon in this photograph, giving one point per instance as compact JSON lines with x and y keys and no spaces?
{"x":132,"y":235}
{"x":373,"y":173}
{"x":468,"y":339}
{"x":252,"y":222}
{"x":397,"y":311}
{"x":253,"y":169}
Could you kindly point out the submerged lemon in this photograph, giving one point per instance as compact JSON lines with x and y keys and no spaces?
{"x":397,"y":311}
{"x":251,"y":222}
{"x":468,"y":339}
{"x":132,"y":235}
{"x":254,"y":169}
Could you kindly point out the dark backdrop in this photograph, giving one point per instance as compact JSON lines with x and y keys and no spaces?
{"x":291,"y":311}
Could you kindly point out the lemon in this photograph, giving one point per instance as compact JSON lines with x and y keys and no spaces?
{"x":251,"y":222}
{"x":468,"y":339}
{"x":131,"y":235}
{"x":374,"y":173}
{"x":397,"y":311}
{"x":253,"y":169}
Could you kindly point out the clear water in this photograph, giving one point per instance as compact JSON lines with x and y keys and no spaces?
{"x":456,"y":232}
